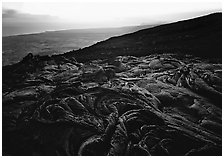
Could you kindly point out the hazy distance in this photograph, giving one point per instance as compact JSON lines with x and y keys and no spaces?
{"x":33,"y":17}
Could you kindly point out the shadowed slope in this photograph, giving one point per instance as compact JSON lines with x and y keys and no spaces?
{"x":200,"y":36}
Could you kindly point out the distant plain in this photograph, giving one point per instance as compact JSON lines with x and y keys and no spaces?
{"x":14,"y":48}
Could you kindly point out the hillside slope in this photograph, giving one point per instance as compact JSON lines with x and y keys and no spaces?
{"x":200,"y":36}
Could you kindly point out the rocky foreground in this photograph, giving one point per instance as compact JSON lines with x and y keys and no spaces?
{"x":152,"y":105}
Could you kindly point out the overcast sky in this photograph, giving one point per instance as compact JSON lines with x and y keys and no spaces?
{"x":28,"y":17}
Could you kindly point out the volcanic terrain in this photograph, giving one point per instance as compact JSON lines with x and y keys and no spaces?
{"x":157,"y":91}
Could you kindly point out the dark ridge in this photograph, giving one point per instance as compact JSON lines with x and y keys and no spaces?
{"x":200,"y":36}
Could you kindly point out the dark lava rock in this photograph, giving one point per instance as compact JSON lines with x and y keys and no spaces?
{"x":127,"y":106}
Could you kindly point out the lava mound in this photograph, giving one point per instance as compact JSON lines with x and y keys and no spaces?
{"x":152,"y":105}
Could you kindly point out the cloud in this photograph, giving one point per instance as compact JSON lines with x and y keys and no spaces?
{"x":14,"y":22}
{"x":9,"y":13}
